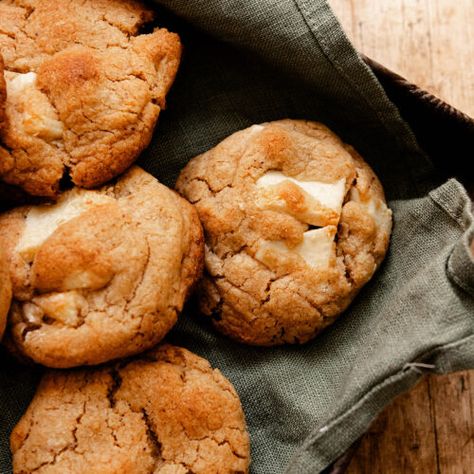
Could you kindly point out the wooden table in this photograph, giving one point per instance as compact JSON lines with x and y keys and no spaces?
{"x":431,"y":43}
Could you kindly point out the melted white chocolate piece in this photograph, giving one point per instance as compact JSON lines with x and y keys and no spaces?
{"x":87,"y":279}
{"x":63,"y":307}
{"x":317,"y":248}
{"x":375,"y":207}
{"x":42,"y":221}
{"x":313,"y":202}
{"x":31,"y":109}
{"x":17,"y":83}
{"x":255,"y":129}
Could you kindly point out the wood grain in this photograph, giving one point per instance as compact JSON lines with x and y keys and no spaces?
{"x":431,"y":43}
{"x":402,"y":439}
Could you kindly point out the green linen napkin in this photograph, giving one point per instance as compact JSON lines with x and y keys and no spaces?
{"x":260,"y":60}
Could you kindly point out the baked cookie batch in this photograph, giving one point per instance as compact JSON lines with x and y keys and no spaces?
{"x":286,"y":220}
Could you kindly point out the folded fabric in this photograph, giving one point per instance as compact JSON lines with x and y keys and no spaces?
{"x":260,"y":60}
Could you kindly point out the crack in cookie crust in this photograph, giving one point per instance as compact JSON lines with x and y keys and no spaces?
{"x":101,"y":274}
{"x":295,"y":224}
{"x":99,"y":84}
{"x":165,"y":412}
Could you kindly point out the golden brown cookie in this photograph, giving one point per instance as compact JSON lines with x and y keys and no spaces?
{"x":84,"y":89}
{"x":295,"y":224}
{"x":5,"y":291}
{"x":100,"y":274}
{"x":3,"y":93}
{"x":168,"y":412}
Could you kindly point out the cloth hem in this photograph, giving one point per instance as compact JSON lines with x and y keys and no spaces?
{"x":453,"y":199}
{"x":410,"y":374}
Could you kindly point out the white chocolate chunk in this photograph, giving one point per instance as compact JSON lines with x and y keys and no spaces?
{"x":317,"y":248}
{"x":30,"y":109}
{"x":379,"y":211}
{"x":87,"y":279}
{"x":63,"y":307}
{"x":314,"y":202}
{"x":376,"y":208}
{"x":17,"y":83}
{"x":255,"y":129}
{"x":42,"y":221}
{"x":32,"y":313}
{"x":329,"y":195}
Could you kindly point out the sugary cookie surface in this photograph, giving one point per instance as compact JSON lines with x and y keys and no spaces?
{"x":167,"y":412}
{"x":83,"y":89}
{"x":100,"y":274}
{"x":295,"y":224}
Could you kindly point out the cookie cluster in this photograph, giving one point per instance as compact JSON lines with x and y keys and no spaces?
{"x":99,"y":272}
{"x":287,"y":222}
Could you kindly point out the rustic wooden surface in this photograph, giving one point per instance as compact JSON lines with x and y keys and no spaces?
{"x":431,"y":43}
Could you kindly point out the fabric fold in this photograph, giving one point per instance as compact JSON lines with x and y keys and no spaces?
{"x":461,"y":262}
{"x":303,"y":41}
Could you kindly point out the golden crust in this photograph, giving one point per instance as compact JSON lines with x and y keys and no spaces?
{"x":109,"y":280}
{"x":166,"y":412}
{"x":282,"y":298}
{"x":100,"y":84}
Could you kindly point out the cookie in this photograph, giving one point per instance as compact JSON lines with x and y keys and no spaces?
{"x":3,"y":93}
{"x":100,"y":274}
{"x":168,"y":412}
{"x":84,"y":89}
{"x":5,"y":292}
{"x":295,"y":224}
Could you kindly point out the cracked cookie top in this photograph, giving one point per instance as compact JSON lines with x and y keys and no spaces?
{"x":83,"y":89}
{"x":167,"y":412}
{"x":5,"y":291}
{"x":295,"y":224}
{"x":100,"y":274}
